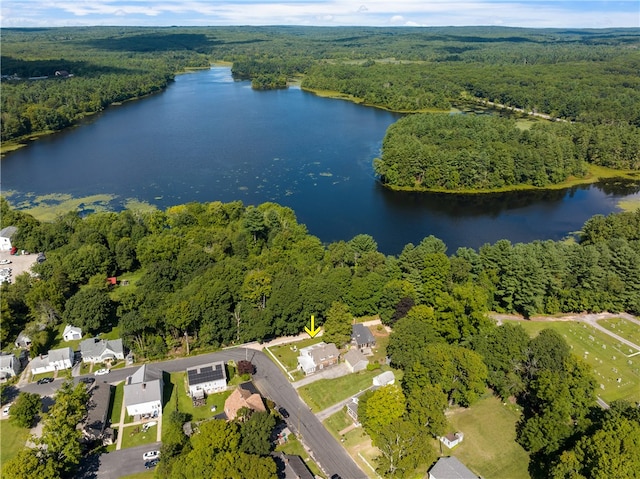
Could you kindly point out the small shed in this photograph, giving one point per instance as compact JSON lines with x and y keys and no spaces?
{"x":451,"y":440}
{"x":71,"y":333}
{"x":383,"y":379}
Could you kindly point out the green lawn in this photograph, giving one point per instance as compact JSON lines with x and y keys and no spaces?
{"x":133,"y":436}
{"x":323,"y":393}
{"x":115,"y":407}
{"x":294,"y":448}
{"x":178,"y":395}
{"x":12,"y":439}
{"x":622,"y":327}
{"x":489,"y":448}
{"x":608,"y":358}
{"x":141,"y":475}
{"x":288,"y":354}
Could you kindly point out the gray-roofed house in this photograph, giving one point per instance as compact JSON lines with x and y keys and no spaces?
{"x":143,"y":392}
{"x":6,"y":235}
{"x":96,"y":350}
{"x":352,"y":410}
{"x":95,"y":424}
{"x":23,"y":341}
{"x":385,"y":378}
{"x":450,"y":468}
{"x":56,"y":359}
{"x":9,"y":366}
{"x":206,"y":379}
{"x":294,"y":467}
{"x":362,"y":338}
{"x":317,"y":357}
{"x":355,"y":360}
{"x":71,"y":333}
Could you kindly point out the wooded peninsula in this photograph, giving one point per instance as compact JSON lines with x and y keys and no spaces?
{"x":567,"y":99}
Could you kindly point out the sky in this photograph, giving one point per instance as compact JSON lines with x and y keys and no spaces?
{"x":513,"y":13}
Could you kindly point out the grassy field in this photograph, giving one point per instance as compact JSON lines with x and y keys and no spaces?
{"x":323,"y":393}
{"x":489,"y":448}
{"x":115,"y":407}
{"x":12,"y":439}
{"x":617,"y":374}
{"x":133,"y":436}
{"x":622,"y":327}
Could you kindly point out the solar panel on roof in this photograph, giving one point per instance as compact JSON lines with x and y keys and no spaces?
{"x":205,"y":374}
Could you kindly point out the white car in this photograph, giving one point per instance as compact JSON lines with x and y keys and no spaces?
{"x":5,"y":261}
{"x":150,"y":455}
{"x":101,"y":372}
{"x":5,"y":410}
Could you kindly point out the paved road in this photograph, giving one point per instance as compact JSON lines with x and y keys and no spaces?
{"x":269,"y":379}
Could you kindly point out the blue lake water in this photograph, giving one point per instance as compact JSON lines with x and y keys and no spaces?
{"x":210,"y":138}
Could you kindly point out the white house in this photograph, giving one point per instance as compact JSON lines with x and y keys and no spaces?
{"x":56,"y":359}
{"x":95,"y":350}
{"x":206,"y":379}
{"x":448,"y":467}
{"x":451,"y":440}
{"x":9,"y":366}
{"x":317,"y":356}
{"x":383,"y":379}
{"x":143,"y":392}
{"x":71,"y":333}
{"x":355,"y":360}
{"x":6,"y":234}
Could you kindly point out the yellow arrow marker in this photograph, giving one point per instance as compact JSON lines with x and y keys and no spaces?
{"x":313,"y":331}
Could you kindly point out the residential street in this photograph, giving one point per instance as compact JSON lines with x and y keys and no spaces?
{"x":330,"y":456}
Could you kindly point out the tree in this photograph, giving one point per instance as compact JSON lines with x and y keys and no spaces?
{"x":383,"y":407}
{"x":256,"y":433}
{"x":245,"y":367}
{"x":90,"y":309}
{"x":403,"y":448}
{"x":425,"y":409}
{"x":337,"y":326}
{"x":25,"y":409}
{"x":254,"y":222}
{"x":30,"y":463}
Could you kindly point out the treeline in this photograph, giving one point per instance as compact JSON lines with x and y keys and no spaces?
{"x":227,"y":273}
{"x":454,"y":152}
{"x":584,"y":75}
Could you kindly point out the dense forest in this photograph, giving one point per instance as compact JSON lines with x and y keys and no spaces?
{"x":219,"y":274}
{"x":435,"y":151}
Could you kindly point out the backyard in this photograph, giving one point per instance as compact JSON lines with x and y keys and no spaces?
{"x":489,"y":447}
{"x":12,"y":439}
{"x":615,"y":367}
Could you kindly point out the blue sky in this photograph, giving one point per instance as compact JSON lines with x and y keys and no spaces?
{"x":516,"y":13}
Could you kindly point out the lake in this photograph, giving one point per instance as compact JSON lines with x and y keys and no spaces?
{"x":208,"y":137}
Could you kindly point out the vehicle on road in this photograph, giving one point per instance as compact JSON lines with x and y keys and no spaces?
{"x":151,"y":455}
{"x":150,"y":464}
{"x":44,"y":380}
{"x":87,"y":381}
{"x":101,"y":372}
{"x":5,"y":410}
{"x":5,"y":261}
{"x":283,"y":412}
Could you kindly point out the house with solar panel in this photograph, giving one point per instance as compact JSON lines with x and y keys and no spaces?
{"x":206,"y":379}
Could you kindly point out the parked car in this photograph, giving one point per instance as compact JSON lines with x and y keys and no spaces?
{"x":87,"y":381}
{"x":101,"y":372}
{"x":5,"y":261}
{"x":151,"y":455}
{"x":5,"y":410}
{"x":283,"y":412}
{"x":151,"y":464}
{"x":45,"y":380}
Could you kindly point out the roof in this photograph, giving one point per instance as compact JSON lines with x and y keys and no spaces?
{"x":206,"y":373}
{"x":143,"y":386}
{"x":60,"y":354}
{"x":71,"y":329}
{"x":8,"y":231}
{"x":295,"y":468}
{"x":6,"y":361}
{"x":97,"y":409}
{"x":450,"y":468}
{"x":386,"y":377}
{"x":240,"y":398}
{"x":320,"y":352}
{"x":361,"y":334}
{"x":94,"y":347}
{"x":354,"y":356}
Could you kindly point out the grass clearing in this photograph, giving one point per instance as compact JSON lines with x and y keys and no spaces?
{"x":323,"y":393}
{"x":133,"y":436}
{"x":115,"y":407}
{"x":12,"y":439}
{"x":622,"y":327}
{"x":489,"y":447}
{"x":618,"y":375}
{"x":150,"y":474}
